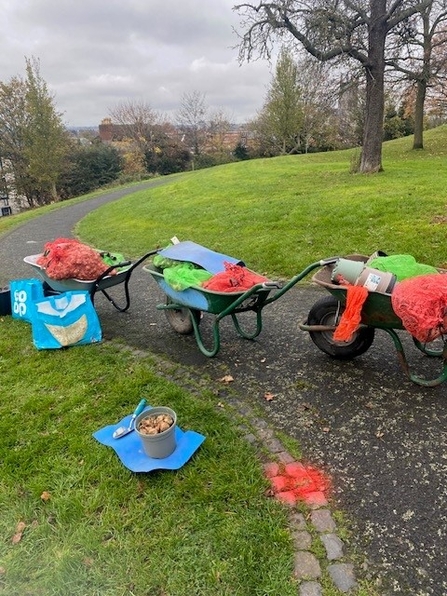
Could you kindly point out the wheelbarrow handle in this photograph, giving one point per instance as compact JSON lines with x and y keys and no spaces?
{"x":271,"y":285}
{"x":329,"y":261}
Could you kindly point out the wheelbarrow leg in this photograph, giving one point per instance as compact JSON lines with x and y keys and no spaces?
{"x":245,"y":334}
{"x":97,"y":286}
{"x":216,"y":338}
{"x":112,"y":301}
{"x":403,"y":361}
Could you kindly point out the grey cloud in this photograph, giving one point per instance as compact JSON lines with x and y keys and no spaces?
{"x":97,"y":53}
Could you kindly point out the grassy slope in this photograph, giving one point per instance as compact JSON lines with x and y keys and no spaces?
{"x":281,"y":214}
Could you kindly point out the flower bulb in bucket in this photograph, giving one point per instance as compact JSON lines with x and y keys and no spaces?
{"x":156,"y":429}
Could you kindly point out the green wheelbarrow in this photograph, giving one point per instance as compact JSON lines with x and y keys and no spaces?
{"x":377,"y":313}
{"x":185,"y":309}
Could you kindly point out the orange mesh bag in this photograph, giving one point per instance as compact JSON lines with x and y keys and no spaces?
{"x":352,"y":315}
{"x":421,"y":303}
{"x":235,"y":278}
{"x":66,"y":258}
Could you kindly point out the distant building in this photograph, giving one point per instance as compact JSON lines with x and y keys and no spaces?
{"x":110,"y":133}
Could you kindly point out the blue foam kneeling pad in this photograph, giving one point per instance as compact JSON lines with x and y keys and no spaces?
{"x":131,"y":453}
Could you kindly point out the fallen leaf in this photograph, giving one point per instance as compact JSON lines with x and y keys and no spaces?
{"x":220,"y":405}
{"x":326,"y":429}
{"x":268,"y":396}
{"x":45,"y":496}
{"x":226,"y":379}
{"x":19,"y":533}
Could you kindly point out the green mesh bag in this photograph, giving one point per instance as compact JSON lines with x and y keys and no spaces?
{"x":183,"y":276}
{"x":163,"y":262}
{"x":402,"y":266}
{"x":112,"y":258}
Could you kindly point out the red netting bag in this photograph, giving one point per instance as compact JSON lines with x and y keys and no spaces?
{"x":66,"y":258}
{"x":421,"y":303}
{"x":234,"y":279}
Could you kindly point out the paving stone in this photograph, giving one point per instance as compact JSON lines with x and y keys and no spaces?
{"x":333,"y":546}
{"x":279,"y":483}
{"x":250,"y":438}
{"x":295,"y":469}
{"x":307,"y":565}
{"x":287,"y":497}
{"x":310,"y":589}
{"x":316,"y":500}
{"x":297,"y":521}
{"x":302,"y":540}
{"x":342,"y":574}
{"x":274,"y":445}
{"x":258,"y":422}
{"x":265,"y":434}
{"x":285,"y":458}
{"x":322,"y":520}
{"x":271,"y":469}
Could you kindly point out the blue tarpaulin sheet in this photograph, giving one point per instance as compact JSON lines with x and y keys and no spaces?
{"x":199,"y":255}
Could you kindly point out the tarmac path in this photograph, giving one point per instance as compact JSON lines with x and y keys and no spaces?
{"x":380,"y":437}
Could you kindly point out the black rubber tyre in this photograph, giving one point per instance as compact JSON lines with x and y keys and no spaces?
{"x":180,"y":319}
{"x":327,"y":311}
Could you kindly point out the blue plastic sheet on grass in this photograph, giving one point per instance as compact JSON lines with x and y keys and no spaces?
{"x":130,"y":450}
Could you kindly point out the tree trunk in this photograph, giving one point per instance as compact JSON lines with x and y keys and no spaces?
{"x":418,"y":142}
{"x":371,"y":161}
{"x":53,"y":193}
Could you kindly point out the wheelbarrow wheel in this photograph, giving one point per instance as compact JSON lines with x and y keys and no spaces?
{"x":180,"y":318}
{"x":327,"y":311}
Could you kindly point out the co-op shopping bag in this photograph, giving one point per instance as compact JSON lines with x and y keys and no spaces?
{"x":24,"y":294}
{"x":67,"y":319}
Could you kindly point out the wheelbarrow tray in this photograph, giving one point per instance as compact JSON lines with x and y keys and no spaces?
{"x":101,"y":284}
{"x":65,"y":285}
{"x":199,"y":298}
{"x":377,"y":310}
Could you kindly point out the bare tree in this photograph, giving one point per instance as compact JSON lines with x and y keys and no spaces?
{"x":418,"y":53}
{"x":191,"y":118}
{"x":353,"y":30}
{"x":136,"y":121}
{"x":219,"y":125}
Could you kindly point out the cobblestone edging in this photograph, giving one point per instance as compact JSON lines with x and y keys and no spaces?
{"x":307,"y":568}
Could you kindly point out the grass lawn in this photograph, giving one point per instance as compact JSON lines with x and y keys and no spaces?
{"x":74,"y":520}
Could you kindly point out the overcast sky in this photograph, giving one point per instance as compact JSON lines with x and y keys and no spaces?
{"x":95,"y":54}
